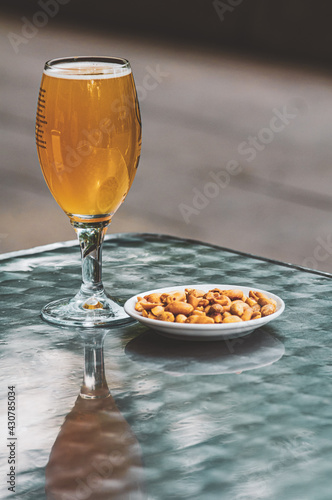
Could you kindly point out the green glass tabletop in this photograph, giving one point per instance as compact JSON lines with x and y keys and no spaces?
{"x":244,"y":419}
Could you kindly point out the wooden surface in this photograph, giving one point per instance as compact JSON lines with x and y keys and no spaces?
{"x":203,"y":106}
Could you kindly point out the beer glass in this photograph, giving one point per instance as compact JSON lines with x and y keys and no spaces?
{"x":88,"y":135}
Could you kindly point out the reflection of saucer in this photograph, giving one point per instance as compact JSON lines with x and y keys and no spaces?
{"x":206,"y":358}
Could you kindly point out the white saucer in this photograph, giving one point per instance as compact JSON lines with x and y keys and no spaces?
{"x":189,"y":331}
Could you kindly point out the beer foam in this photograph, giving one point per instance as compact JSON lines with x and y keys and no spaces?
{"x":87,"y":70}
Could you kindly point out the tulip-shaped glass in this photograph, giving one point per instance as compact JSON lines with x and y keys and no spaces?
{"x":88,"y":134}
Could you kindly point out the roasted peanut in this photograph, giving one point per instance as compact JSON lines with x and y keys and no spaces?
{"x":179,"y":308}
{"x":157,"y":311}
{"x":138,"y":306}
{"x":231,"y":319}
{"x":181,"y":318}
{"x":256,"y":315}
{"x":153,"y":297}
{"x":148,"y":305}
{"x":253,"y":295}
{"x":216,"y":296}
{"x":237,"y":308}
{"x":243,"y":304}
{"x":223,"y":300}
{"x":226,"y":308}
{"x":260,"y":295}
{"x":217,"y":317}
{"x":197,"y":312}
{"x":196,"y":293}
{"x":267,"y":310}
{"x":263,"y":301}
{"x":194,"y":301}
{"x":166,"y":316}
{"x":176,"y":297}
{"x":251,"y":302}
{"x":226,"y":314}
{"x":204,"y":302}
{"x":215,"y":309}
{"x":246,"y":316}
{"x":163,"y":297}
{"x":200,"y":319}
{"x":209,"y":296}
{"x":233,"y":294}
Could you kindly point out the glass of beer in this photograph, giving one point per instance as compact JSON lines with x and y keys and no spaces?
{"x":88,"y":135}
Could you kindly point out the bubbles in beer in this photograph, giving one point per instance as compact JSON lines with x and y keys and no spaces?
{"x":87,"y":70}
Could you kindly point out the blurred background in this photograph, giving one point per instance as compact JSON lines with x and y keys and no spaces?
{"x":236,"y":103}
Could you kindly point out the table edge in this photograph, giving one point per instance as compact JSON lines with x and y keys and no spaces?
{"x":70,"y":243}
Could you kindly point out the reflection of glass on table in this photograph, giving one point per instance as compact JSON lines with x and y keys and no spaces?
{"x":96,"y":455}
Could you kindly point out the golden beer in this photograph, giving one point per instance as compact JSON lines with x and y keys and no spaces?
{"x":88,"y":135}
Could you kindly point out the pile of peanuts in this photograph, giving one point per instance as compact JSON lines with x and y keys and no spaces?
{"x":214,"y":306}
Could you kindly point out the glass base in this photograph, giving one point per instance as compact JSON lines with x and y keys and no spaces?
{"x":85,"y":311}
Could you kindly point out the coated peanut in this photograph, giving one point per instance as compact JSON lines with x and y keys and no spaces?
{"x":217,"y":317}
{"x":233,"y":294}
{"x":166,"y":316}
{"x":176,"y":297}
{"x":180,"y":318}
{"x":246,"y":316}
{"x":199,"y":319}
{"x":237,"y":309}
{"x":157,"y":311}
{"x":232,"y":319}
{"x":179,"y":308}
{"x":194,"y":301}
{"x":267,"y":310}
{"x":153,"y":297}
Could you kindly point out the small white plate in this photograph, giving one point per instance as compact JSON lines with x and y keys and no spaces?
{"x":189,"y":331}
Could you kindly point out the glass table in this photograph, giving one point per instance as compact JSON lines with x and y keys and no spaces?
{"x":245,"y":419}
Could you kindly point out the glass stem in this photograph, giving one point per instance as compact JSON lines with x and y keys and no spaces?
{"x":91,"y":237}
{"x":94,"y":381}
